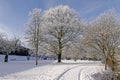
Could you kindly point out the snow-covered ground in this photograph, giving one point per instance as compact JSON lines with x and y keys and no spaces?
{"x":51,"y":70}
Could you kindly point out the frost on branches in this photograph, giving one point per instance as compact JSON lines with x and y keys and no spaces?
{"x":103,"y":34}
{"x":8,"y":45}
{"x":33,"y":31}
{"x":62,"y":26}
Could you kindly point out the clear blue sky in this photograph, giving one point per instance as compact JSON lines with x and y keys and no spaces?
{"x":14,"y":13}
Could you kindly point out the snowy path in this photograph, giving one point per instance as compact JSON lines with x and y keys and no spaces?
{"x":54,"y":71}
{"x":71,"y":74}
{"x":65,"y":72}
{"x":74,"y":73}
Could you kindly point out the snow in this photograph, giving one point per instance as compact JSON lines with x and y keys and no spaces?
{"x":16,"y":58}
{"x":51,"y":70}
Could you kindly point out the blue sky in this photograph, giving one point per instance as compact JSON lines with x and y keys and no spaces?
{"x":14,"y":13}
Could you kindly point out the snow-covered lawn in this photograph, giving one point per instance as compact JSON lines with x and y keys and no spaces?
{"x":50,"y":70}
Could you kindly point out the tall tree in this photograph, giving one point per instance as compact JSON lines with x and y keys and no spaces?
{"x":62,"y":27}
{"x":103,"y":34}
{"x":33,"y":31}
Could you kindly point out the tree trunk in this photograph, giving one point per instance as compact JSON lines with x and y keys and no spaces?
{"x":36,"y":57}
{"x":60,"y":50}
{"x":111,"y":62}
{"x":106,"y":64}
{"x":6,"y":58}
{"x":59,"y":57}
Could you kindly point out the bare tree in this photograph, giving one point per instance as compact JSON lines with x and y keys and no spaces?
{"x":103,"y":34}
{"x":33,"y":31}
{"x":9,"y":45}
{"x":62,"y":27}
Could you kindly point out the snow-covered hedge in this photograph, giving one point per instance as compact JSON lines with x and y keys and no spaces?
{"x":96,"y":74}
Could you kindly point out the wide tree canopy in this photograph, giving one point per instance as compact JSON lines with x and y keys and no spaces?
{"x":63,"y":25}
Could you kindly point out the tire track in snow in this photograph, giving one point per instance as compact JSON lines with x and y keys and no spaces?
{"x":65,"y":72}
{"x":79,"y":73}
{"x":59,"y":77}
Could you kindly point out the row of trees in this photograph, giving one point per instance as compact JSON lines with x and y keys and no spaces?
{"x":60,"y":28}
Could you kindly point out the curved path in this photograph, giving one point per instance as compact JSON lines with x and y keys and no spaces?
{"x":71,"y":73}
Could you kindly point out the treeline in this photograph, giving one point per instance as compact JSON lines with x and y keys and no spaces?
{"x":21,"y":52}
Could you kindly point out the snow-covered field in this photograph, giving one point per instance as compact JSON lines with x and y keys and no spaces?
{"x":51,"y":70}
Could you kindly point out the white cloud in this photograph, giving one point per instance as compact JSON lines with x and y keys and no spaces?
{"x":24,"y":42}
{"x":5,"y":30}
